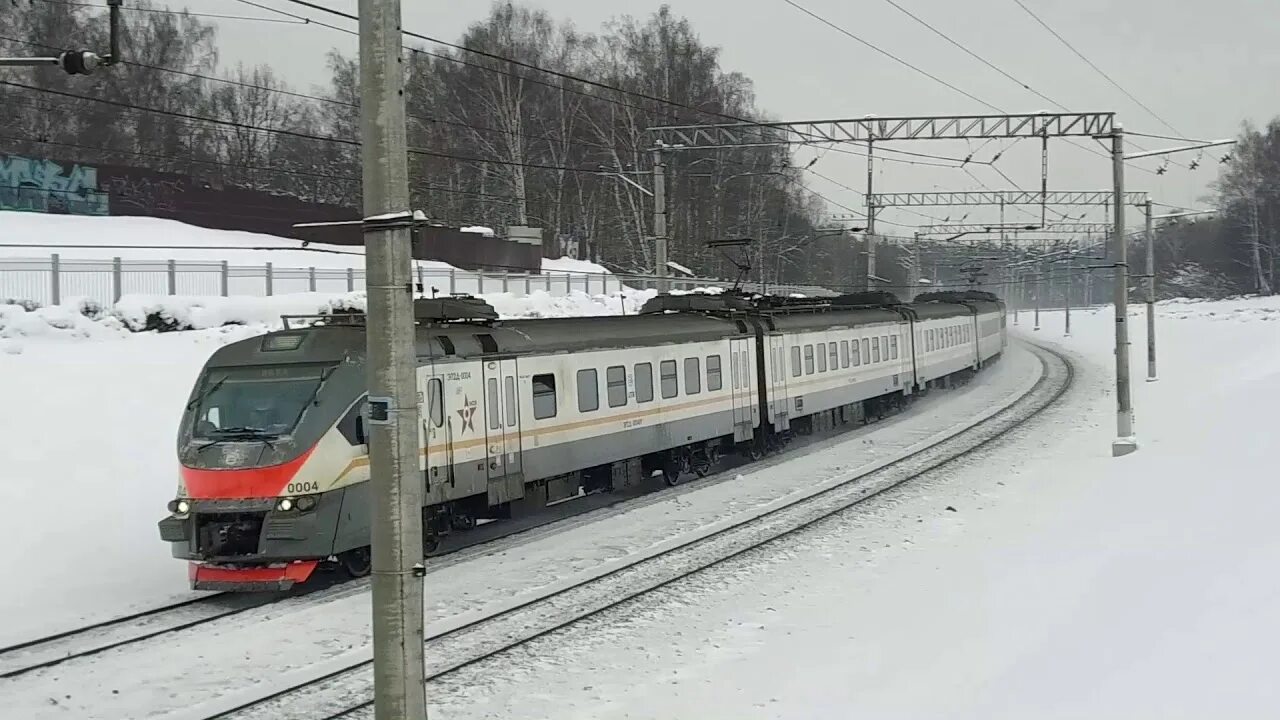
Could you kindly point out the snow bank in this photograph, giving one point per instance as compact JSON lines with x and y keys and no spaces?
{"x":572,"y":265}
{"x":156,"y":239}
{"x":1042,"y":578}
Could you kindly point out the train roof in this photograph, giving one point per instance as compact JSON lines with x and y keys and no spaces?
{"x":468,"y":327}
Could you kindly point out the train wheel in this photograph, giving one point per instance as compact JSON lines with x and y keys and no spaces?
{"x":430,"y":542}
{"x":358,"y":563}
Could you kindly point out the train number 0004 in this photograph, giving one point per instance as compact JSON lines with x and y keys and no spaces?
{"x":302,"y":487}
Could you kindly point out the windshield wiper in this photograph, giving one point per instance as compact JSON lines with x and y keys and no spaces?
{"x":204,"y":395}
{"x":230,"y":434}
{"x":324,"y":375}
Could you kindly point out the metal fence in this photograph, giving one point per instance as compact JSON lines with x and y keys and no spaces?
{"x":48,"y":281}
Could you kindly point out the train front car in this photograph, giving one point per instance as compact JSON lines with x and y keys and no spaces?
{"x":270,"y":433}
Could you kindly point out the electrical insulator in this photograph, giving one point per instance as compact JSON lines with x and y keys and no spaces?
{"x":79,"y":62}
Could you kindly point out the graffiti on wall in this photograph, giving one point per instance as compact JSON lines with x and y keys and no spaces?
{"x":45,"y":186}
{"x":146,"y":194}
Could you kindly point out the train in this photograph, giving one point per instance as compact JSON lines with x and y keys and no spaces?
{"x":518,"y":414}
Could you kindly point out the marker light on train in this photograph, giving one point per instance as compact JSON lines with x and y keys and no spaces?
{"x":179,"y":507}
{"x":306,"y":502}
{"x":285,"y":504}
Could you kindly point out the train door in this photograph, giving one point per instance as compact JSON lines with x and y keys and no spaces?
{"x":780,"y":398}
{"x":502,"y":431}
{"x":436,"y":435}
{"x":745,"y":408}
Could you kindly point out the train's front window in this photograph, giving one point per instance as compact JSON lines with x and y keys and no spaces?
{"x":255,"y":401}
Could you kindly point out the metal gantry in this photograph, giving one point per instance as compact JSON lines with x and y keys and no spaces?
{"x":876,"y":129}
{"x":1002,"y":197}
{"x":1065,"y":228}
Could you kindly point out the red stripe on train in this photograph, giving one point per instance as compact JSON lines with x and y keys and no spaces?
{"x":261,"y":577}
{"x":237,"y":483}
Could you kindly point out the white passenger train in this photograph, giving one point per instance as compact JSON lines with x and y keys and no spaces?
{"x":520,"y":413}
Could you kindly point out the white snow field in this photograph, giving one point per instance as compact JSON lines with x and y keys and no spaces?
{"x":1042,"y":578}
{"x":1065,"y":583}
{"x":299,"y":638}
{"x":142,"y":238}
{"x":88,"y":439}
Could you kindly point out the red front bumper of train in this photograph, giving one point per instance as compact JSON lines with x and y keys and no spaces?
{"x":253,"y":578}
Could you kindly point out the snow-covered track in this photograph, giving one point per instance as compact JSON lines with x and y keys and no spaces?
{"x":344,"y":689}
{"x":92,"y":639}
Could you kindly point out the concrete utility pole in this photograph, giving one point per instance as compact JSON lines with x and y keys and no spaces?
{"x":871,"y":220}
{"x":660,"y":220}
{"x":1125,"y":442}
{"x":1151,"y":295}
{"x":1036,"y":291}
{"x":1067,"y":295}
{"x":395,"y":477}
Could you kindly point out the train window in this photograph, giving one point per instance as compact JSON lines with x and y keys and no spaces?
{"x":491,"y":401}
{"x":893,"y":346}
{"x":928,"y":340}
{"x":487,"y":345}
{"x":875,"y":349}
{"x":808,"y":359}
{"x":615,"y":381}
{"x":667,"y":376}
{"x":854,"y":355}
{"x":822,"y":357}
{"x":544,"y":396}
{"x":866,"y":351}
{"x":588,"y":390}
{"x":509,"y":392}
{"x":844,"y":353}
{"x":795,"y":361}
{"x":746,"y":365}
{"x":884,"y":348}
{"x":714,"y":381}
{"x":733,"y":370}
{"x":644,"y":382}
{"x":692,"y":376}
{"x":435,"y":401}
{"x":833,"y":358}
{"x":446,"y":345}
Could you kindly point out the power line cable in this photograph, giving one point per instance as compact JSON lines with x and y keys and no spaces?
{"x":976,"y":56}
{"x":1097,"y":69}
{"x":878,"y":49}
{"x":162,"y":11}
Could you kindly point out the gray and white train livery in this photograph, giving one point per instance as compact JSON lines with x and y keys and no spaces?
{"x":516,"y":414}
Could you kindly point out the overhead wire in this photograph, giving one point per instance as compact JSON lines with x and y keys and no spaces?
{"x":164,"y":11}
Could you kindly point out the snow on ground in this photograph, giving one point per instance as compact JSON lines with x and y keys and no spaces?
{"x":1043,"y":578}
{"x":264,"y":646}
{"x":90,"y":432}
{"x":146,"y":238}
{"x":88,"y":439}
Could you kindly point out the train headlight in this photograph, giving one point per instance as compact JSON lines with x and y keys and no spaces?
{"x":285,"y":504}
{"x":179,"y":507}
{"x":306,"y":502}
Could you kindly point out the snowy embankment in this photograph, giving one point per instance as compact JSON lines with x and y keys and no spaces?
{"x":1042,"y":578}
{"x":36,"y":235}
{"x":263,"y":648}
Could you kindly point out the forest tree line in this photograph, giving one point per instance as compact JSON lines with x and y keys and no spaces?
{"x":497,"y":143}
{"x":494,"y":143}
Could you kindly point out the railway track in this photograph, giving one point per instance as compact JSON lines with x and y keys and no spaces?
{"x":345,"y":690}
{"x":51,"y":650}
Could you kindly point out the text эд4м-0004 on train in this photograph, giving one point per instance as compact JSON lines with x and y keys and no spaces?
{"x":516,"y":414}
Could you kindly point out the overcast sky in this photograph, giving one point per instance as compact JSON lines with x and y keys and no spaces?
{"x":1202,"y":66}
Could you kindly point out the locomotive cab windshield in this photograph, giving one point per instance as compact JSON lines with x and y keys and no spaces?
{"x":265,"y":401}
